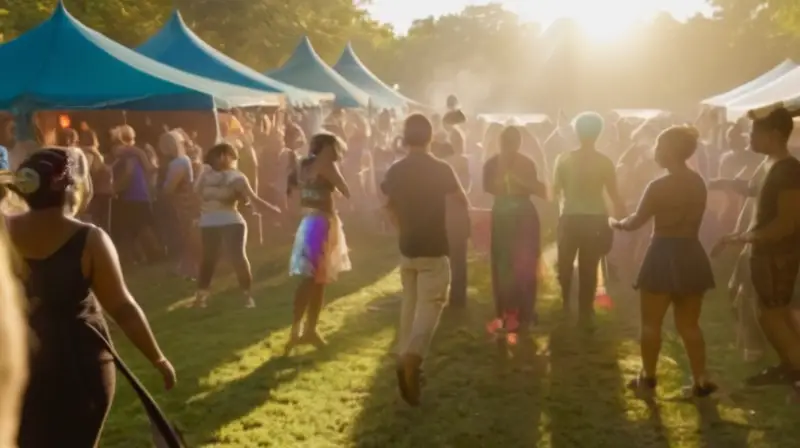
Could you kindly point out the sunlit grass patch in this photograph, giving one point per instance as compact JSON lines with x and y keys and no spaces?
{"x":561,"y":387}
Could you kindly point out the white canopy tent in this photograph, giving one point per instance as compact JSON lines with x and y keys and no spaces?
{"x":518,"y":119}
{"x":643,"y":114}
{"x":723,"y":99}
{"x":786,"y":89}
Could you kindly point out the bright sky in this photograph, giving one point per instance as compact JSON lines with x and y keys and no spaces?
{"x":592,"y":14}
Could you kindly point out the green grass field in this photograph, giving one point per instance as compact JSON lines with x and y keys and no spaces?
{"x":562,"y":388}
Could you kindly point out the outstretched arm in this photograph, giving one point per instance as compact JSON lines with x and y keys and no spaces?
{"x":642,"y":214}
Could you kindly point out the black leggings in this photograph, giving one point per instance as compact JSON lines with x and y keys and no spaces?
{"x":588,"y":237}
{"x":233,"y":237}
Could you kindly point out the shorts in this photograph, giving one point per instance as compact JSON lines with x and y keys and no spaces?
{"x":774,"y":278}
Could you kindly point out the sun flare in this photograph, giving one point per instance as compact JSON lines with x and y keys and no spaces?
{"x":605,"y":28}
{"x":599,"y":20}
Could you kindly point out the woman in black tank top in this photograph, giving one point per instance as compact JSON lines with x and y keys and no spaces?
{"x":320,"y":250}
{"x":69,"y":269}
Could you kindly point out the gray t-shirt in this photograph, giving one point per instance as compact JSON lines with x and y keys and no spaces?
{"x":220,"y":195}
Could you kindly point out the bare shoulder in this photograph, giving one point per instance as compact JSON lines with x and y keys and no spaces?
{"x":604,"y":160}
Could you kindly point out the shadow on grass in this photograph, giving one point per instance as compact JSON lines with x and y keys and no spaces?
{"x":587,"y":401}
{"x":473,"y":396}
{"x":234,"y":401}
{"x":199,"y":341}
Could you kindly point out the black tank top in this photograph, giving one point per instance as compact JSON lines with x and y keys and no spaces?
{"x":62,"y":306}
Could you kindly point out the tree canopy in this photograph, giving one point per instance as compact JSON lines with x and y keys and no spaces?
{"x":486,"y":54}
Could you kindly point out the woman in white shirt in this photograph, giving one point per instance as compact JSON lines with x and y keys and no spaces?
{"x":221,"y":186}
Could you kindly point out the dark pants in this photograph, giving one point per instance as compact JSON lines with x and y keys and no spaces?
{"x":458,"y":272}
{"x":100,"y":211}
{"x":588,"y":238}
{"x":168,"y":228}
{"x":232,"y":239}
{"x":130,"y":220}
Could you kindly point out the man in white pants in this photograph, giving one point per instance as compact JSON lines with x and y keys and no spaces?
{"x":417,"y":187}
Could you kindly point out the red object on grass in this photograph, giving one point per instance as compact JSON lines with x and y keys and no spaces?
{"x":494,"y":325}
{"x":511,"y":339}
{"x":602,"y":299}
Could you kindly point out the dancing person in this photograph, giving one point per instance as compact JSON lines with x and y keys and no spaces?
{"x":512,"y":178}
{"x":676,"y":271}
{"x":13,"y":344}
{"x":737,"y":162}
{"x":560,"y":139}
{"x":459,"y":223}
{"x":248,"y":165}
{"x":132,"y":211}
{"x":775,"y":244}
{"x":221,"y":188}
{"x":320,"y":250}
{"x":581,"y":177}
{"x":70,"y":270}
{"x":99,"y":209}
{"x":417,"y":188}
{"x":740,"y":288}
{"x":83,"y":180}
{"x":177,"y":192}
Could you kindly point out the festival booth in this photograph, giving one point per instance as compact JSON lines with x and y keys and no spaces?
{"x":63,"y":66}
{"x":519,"y":119}
{"x":305,"y":69}
{"x":350,"y":67}
{"x":639,"y":114}
{"x":723,"y":99}
{"x":784,"y":89}
{"x":178,"y":46}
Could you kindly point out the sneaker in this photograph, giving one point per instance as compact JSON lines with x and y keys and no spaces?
{"x":643,"y":387}
{"x":249,"y":303}
{"x":770,"y":376}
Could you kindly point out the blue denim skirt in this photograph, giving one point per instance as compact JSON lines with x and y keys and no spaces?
{"x":676,"y":266}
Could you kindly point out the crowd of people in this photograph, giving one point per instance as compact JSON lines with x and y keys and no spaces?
{"x":617,"y":196}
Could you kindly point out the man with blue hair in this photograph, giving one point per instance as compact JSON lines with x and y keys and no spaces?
{"x":582,"y":177}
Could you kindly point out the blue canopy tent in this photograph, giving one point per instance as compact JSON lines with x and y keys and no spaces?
{"x":306,"y":70}
{"x":62,"y":64}
{"x":352,"y":69}
{"x":177,"y":46}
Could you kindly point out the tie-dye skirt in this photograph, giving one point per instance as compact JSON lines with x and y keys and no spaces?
{"x":320,"y":249}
